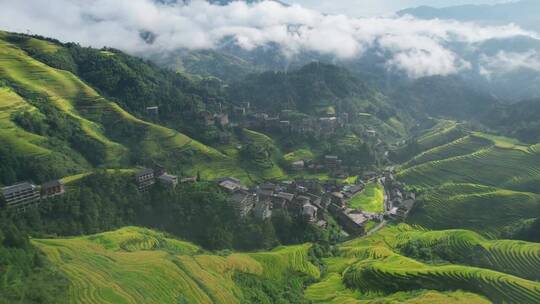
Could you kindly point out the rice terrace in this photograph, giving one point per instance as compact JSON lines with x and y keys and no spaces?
{"x":270,"y":152}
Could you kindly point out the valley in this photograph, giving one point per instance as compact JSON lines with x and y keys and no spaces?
{"x":146,"y":185}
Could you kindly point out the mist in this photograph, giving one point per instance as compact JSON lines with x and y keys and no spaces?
{"x":416,"y":47}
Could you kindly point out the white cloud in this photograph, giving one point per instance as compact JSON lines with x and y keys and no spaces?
{"x":506,"y":62}
{"x":417,"y":47}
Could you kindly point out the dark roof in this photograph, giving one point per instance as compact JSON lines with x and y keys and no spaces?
{"x":144,"y":172}
{"x":240,"y":196}
{"x":284,"y":195}
{"x":18,"y":187}
{"x":51,"y":184}
{"x":265,"y":193}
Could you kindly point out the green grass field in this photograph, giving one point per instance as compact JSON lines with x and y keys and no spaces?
{"x":137,"y":265}
{"x":371,"y":199}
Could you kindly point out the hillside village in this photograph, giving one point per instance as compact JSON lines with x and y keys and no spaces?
{"x":308,"y":199}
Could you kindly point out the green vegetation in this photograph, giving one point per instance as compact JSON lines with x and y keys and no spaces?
{"x":484,"y":209}
{"x":300,"y":154}
{"x":87,"y":128}
{"x":134,"y":265}
{"x":22,"y":266}
{"x":478,"y":181}
{"x":380,"y":265}
{"x":371,"y":199}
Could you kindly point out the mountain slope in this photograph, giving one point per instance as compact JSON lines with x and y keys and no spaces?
{"x":101,"y":131}
{"x":134,"y":265}
{"x":398,"y":263}
{"x":473,"y":180}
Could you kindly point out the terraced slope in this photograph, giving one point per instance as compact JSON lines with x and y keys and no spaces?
{"x":461,"y":146}
{"x":484,"y":209}
{"x":121,"y":136}
{"x":135,"y":265}
{"x":503,"y":163}
{"x":36,"y":149}
{"x":480,"y":181}
{"x":377,"y":264}
{"x":397,"y":273}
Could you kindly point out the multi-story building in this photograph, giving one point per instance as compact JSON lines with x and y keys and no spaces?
{"x":20,"y":196}
{"x":145,"y":179}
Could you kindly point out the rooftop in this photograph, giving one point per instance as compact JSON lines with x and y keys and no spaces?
{"x":144,"y":171}
{"x":286,"y":196}
{"x":18,"y":187}
{"x":168,"y":177}
{"x":53,"y":183}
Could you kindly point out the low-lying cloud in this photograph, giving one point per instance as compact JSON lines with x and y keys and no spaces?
{"x":506,"y":62}
{"x":416,"y":47}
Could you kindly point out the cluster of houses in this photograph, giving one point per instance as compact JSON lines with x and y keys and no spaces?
{"x":23,"y":195}
{"x":148,"y":177}
{"x":286,"y":121}
{"x":330,"y":163}
{"x":308,"y":199}
{"x":311,"y":199}
{"x":399,"y":201}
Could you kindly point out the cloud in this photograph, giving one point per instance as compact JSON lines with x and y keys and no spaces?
{"x":417,"y":47}
{"x":505,"y":62}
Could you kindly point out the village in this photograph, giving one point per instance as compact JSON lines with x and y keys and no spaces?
{"x":308,"y":199}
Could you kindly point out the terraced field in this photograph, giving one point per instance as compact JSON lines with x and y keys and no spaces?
{"x":397,"y":273}
{"x":461,"y":146}
{"x":487,"y":210}
{"x":443,"y":132}
{"x":480,"y":181}
{"x":135,"y":265}
{"x":122,"y":136}
{"x":375,"y":265}
{"x":30,"y":146}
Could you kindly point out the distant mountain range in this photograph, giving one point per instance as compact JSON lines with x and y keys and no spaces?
{"x":524,"y":13}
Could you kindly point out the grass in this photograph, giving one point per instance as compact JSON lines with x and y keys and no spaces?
{"x":371,"y":199}
{"x":300,"y":154}
{"x":137,"y":265}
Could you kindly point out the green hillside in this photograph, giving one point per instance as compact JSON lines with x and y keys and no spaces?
{"x":397,"y":264}
{"x":135,"y":265}
{"x":111,"y":136}
{"x":402,"y":259}
{"x":475,"y":180}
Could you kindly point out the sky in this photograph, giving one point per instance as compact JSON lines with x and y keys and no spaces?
{"x":417,"y":47}
{"x":360,"y":8}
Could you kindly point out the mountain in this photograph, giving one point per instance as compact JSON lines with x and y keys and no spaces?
{"x":439,"y":96}
{"x":87,"y":117}
{"x":68,"y":109}
{"x":522,"y":13}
